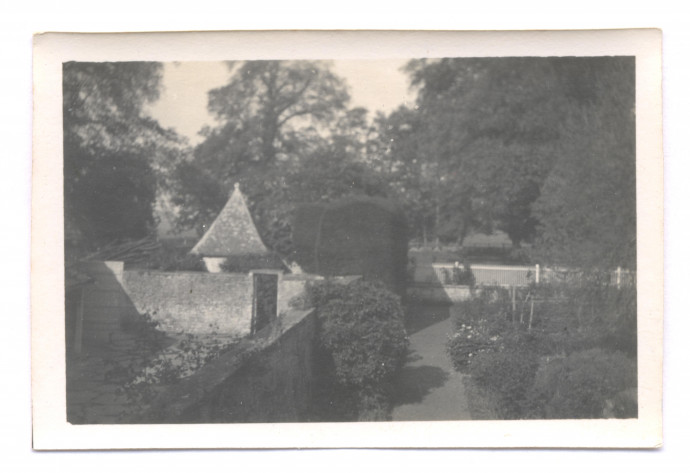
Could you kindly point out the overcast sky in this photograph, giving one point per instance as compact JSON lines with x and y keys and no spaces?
{"x":374,"y":84}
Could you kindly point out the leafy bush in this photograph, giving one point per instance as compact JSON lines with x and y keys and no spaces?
{"x":508,"y":374}
{"x":481,"y":324}
{"x":362,"y":332}
{"x":459,"y":276}
{"x":156,"y":359}
{"x":518,"y":256}
{"x":246,"y":263}
{"x":186,"y":263}
{"x":585,"y":385}
{"x":145,"y":331}
{"x":362,"y":325}
{"x":502,"y":349}
{"x":464,"y":345}
{"x":555,"y":318}
{"x":585,"y":312}
{"x":181,"y":360}
{"x":172,"y":258}
{"x":487,"y":305}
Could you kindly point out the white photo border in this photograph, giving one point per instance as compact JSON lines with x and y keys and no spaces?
{"x":51,"y":431}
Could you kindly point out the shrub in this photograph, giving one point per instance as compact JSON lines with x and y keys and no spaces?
{"x":182,"y":360}
{"x":583,"y":385}
{"x":361,"y":330}
{"x":172,"y":258}
{"x":362,"y":325}
{"x":518,"y":256}
{"x":246,"y":263}
{"x":459,"y":276}
{"x":587,"y":312}
{"x":356,"y":235}
{"x":584,"y":313}
{"x":186,"y":263}
{"x":488,"y":304}
{"x":145,"y":331}
{"x":508,"y":373}
{"x":481,"y":323}
{"x":461,"y":347}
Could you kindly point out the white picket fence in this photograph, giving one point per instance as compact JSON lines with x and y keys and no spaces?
{"x":490,"y":275}
{"x":486,"y":275}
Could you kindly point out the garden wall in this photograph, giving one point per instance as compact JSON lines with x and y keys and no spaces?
{"x":290,"y":286}
{"x":104,"y":304}
{"x":275,"y":385}
{"x":193,"y":302}
{"x":265,"y":379}
{"x":190,"y":302}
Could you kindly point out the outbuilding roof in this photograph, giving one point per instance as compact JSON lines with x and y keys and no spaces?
{"x":232,"y":233}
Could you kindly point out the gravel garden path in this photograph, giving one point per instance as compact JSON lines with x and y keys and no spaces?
{"x":428,"y":387}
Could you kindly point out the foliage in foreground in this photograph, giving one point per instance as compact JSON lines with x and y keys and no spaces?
{"x":570,"y":354}
{"x":158,"y":361}
{"x":585,"y":385}
{"x":363,"y":342}
{"x":509,"y":373}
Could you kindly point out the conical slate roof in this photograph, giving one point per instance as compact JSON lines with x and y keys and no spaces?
{"x":232,"y":233}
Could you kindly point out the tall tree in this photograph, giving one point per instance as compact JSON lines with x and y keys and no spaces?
{"x":487,"y":125}
{"x":285,"y":133}
{"x":587,"y":207}
{"x":114,"y":155}
{"x":413,"y":178}
{"x":542,"y":148}
{"x":269,"y":110}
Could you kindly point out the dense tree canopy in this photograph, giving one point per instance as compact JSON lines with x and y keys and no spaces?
{"x":485,"y":128}
{"x":587,"y":206}
{"x":114,"y":155}
{"x":541,"y":148}
{"x":285,"y":133}
{"x":268,"y":112}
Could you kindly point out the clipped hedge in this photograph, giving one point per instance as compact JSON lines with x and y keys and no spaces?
{"x":356,"y":236}
{"x":363,"y":342}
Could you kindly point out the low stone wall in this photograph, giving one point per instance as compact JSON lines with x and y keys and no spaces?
{"x":291,"y":286}
{"x":105,"y":303}
{"x":193,"y":302}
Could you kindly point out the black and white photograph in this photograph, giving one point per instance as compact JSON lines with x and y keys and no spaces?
{"x":327,"y":241}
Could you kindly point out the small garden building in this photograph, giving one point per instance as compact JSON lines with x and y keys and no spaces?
{"x":232,"y":242}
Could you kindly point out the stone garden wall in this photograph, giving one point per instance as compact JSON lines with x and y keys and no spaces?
{"x":193,"y":302}
{"x":180,"y":302}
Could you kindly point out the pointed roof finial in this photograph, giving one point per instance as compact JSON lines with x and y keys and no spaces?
{"x":237,"y":186}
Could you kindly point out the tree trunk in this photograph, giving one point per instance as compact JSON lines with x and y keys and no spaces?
{"x":268,"y":147}
{"x":437,"y":219}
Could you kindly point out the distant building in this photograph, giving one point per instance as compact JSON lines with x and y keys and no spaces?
{"x":233,"y":240}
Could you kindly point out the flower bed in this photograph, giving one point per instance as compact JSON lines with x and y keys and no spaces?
{"x":573,"y":356}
